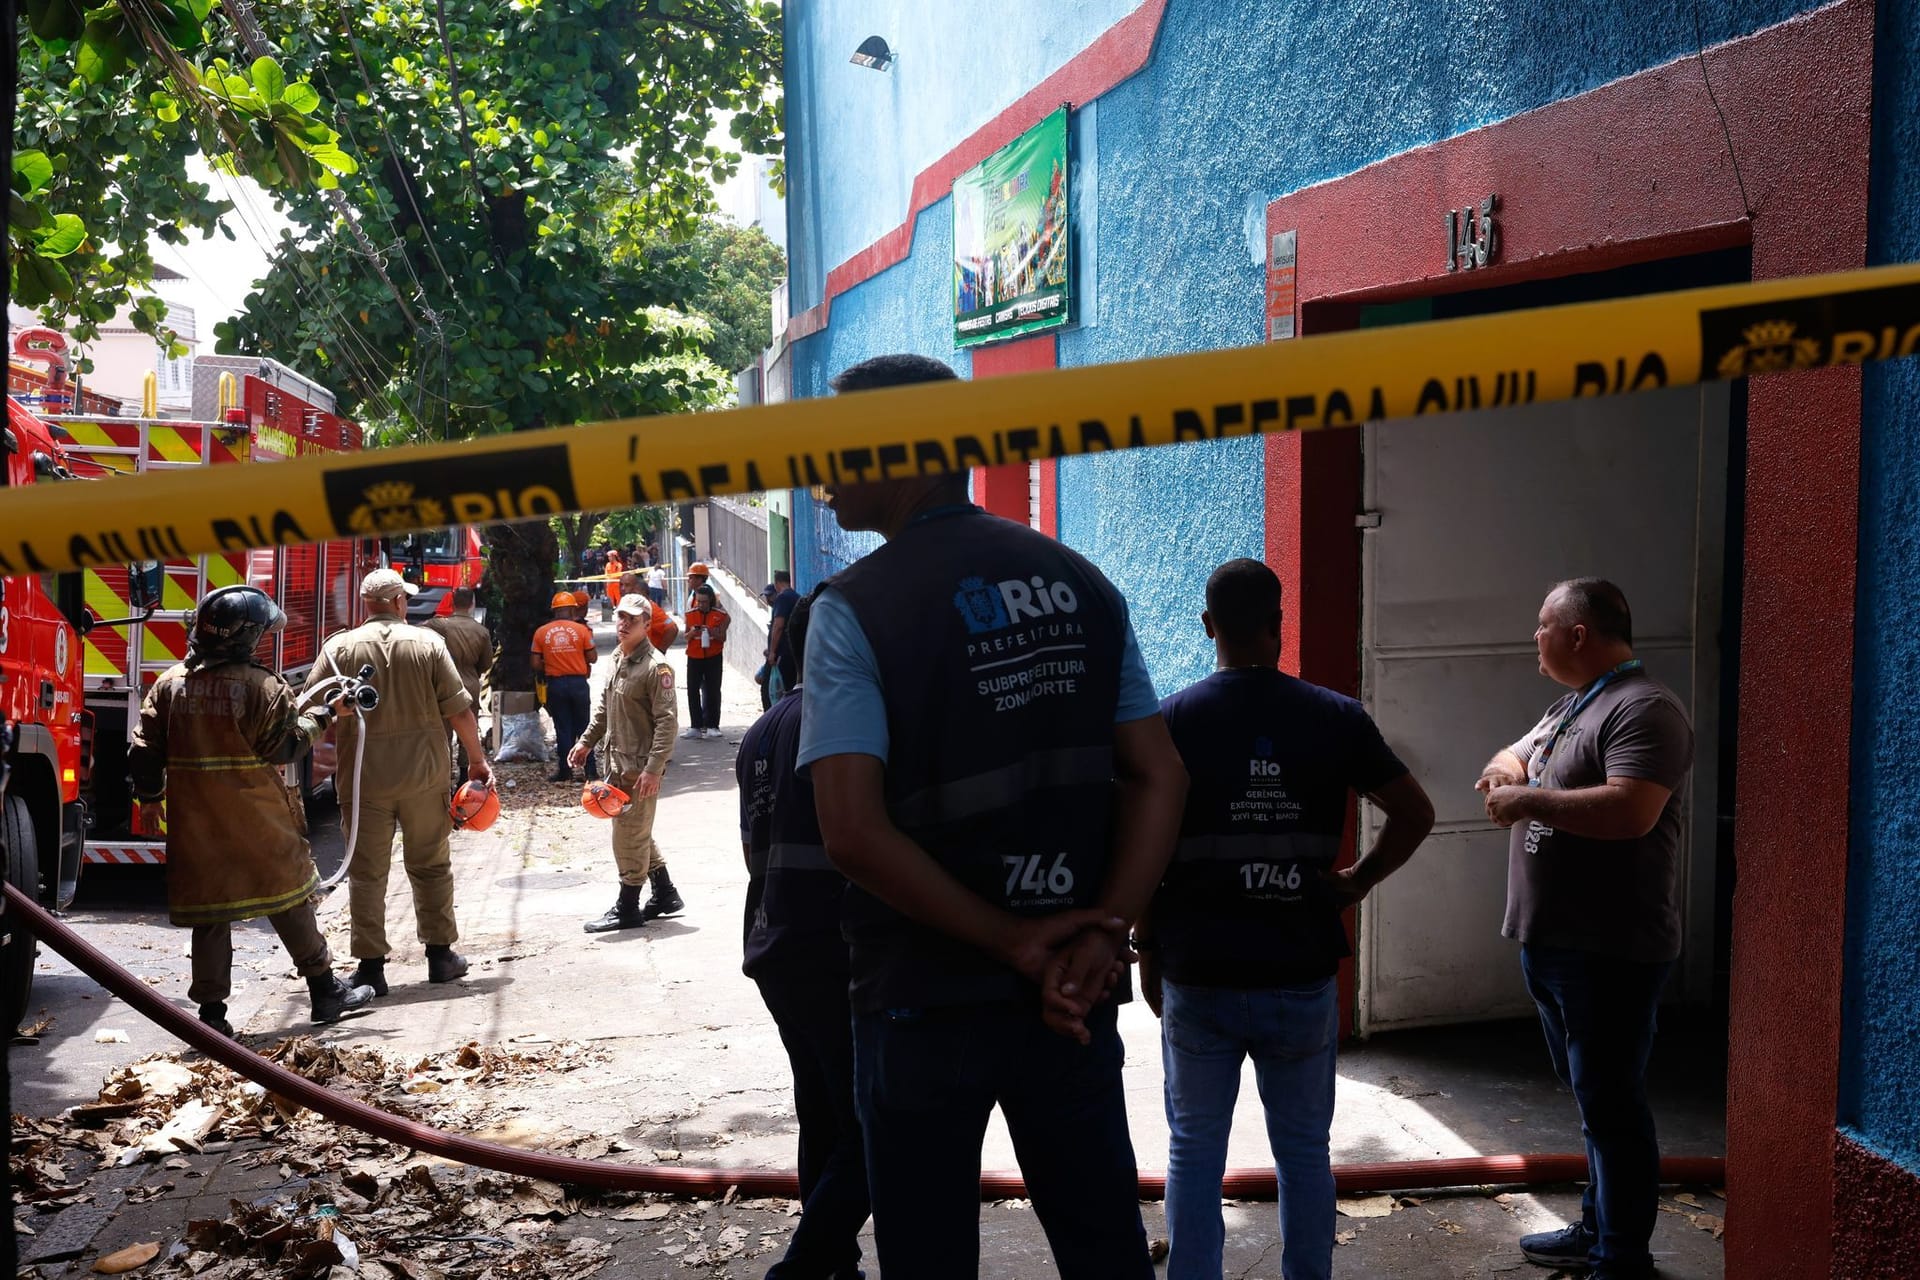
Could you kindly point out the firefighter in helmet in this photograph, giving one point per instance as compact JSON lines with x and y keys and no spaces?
{"x":214,"y":732}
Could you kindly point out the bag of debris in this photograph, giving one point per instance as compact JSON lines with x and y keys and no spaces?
{"x":522,"y":737}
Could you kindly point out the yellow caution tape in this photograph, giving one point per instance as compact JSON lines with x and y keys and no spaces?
{"x":1336,"y":380}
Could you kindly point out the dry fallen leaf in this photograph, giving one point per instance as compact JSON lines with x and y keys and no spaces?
{"x":107,"y":1035}
{"x":1344,"y":1237}
{"x":1712,"y":1224}
{"x":128,"y":1259}
{"x":1687,"y":1197}
{"x":641,"y":1213}
{"x":1157,"y":1249}
{"x":1366,"y":1206}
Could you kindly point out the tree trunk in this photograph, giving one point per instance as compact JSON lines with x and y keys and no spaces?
{"x":520,"y":575}
{"x":578,"y":532}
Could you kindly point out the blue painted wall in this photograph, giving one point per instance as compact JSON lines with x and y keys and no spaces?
{"x":866,"y":134}
{"x":1880,"y":1072}
{"x":1242,"y":101}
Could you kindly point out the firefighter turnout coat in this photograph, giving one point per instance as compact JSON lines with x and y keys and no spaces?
{"x":212,"y":740}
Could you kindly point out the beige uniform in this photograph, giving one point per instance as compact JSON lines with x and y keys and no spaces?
{"x":236,"y":834}
{"x":471,"y":647}
{"x":403,"y":776}
{"x":637,"y":719}
{"x":469,"y":644}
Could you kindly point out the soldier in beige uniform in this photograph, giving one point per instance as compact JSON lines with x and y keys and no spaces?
{"x":637,"y":717}
{"x":214,"y":732}
{"x":471,"y":646}
{"x":402,"y":779}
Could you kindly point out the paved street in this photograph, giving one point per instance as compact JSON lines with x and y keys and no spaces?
{"x":687,"y":1066}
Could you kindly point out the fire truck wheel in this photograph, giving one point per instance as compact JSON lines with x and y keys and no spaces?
{"x":23,"y":862}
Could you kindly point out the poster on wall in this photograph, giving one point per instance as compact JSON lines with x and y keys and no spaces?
{"x":1011,"y":239}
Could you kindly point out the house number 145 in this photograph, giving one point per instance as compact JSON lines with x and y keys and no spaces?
{"x":1473,"y":235}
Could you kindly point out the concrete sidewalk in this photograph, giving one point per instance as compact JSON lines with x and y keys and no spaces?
{"x":694,"y":1071}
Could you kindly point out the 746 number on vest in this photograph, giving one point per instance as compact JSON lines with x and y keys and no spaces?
{"x":1024,"y":876}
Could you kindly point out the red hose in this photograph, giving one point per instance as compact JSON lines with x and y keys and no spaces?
{"x":1247,"y":1184}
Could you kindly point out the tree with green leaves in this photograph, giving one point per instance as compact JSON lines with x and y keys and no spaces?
{"x":734,"y":270}
{"x":112,"y":100}
{"x":465,"y":283}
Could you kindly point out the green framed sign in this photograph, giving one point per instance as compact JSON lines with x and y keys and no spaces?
{"x":1012,"y":240}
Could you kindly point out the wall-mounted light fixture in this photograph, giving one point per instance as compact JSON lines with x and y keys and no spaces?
{"x":873,"y":52}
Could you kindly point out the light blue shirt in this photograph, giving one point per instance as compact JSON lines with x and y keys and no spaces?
{"x":845,"y":712}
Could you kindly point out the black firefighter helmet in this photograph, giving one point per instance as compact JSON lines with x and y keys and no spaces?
{"x":228,"y":623}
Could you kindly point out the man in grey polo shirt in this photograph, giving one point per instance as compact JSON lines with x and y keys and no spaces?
{"x":1593,"y":796}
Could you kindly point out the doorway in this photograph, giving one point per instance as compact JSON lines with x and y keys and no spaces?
{"x":1469,"y":518}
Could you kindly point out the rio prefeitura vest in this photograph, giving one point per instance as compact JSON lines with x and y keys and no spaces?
{"x":999,"y":654}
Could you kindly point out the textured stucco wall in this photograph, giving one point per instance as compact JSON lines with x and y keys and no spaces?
{"x":1880,"y":1075}
{"x":1242,"y":101}
{"x":866,"y":134}
{"x":1159,"y":554}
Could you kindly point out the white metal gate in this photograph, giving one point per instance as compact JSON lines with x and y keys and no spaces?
{"x":1478,"y":514}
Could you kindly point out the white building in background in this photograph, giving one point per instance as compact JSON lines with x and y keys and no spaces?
{"x":750,"y":200}
{"x":123,"y":356}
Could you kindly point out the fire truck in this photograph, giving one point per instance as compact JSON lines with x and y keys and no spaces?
{"x":45,"y":730}
{"x":437,"y":561}
{"x":136,"y":617}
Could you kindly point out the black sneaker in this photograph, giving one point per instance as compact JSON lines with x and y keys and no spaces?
{"x":1567,"y":1247}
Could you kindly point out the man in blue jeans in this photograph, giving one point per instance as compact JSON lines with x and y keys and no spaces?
{"x":991,"y":772}
{"x":1240,"y":949}
{"x":1594,"y":796}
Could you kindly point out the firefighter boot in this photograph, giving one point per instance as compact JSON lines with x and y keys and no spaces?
{"x":665,"y":899}
{"x":334,"y":997}
{"x":371,"y":974}
{"x":444,"y":964}
{"x":625,"y":913}
{"x":215,"y":1016}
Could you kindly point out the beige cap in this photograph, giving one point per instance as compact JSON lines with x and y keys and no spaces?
{"x":385,"y":584}
{"x":634,"y":606}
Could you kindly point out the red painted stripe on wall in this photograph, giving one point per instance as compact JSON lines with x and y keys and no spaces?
{"x":1118,"y":53}
{"x":1003,"y":490}
{"x":1876,"y":1214}
{"x":1639,"y":170}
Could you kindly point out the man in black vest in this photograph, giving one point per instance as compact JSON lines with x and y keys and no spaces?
{"x":992,"y":773}
{"x":1244,"y":939}
{"x":795,"y":954}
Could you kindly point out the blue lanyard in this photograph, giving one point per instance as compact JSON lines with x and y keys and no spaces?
{"x":1538,"y":775}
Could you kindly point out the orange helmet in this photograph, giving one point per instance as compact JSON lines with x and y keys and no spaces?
{"x":562,"y":600}
{"x":579,"y":599}
{"x":604,"y":800}
{"x":475,"y":806}
{"x":699,"y":567}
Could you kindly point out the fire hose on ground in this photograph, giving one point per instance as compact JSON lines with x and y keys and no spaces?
{"x":1248,"y":1184}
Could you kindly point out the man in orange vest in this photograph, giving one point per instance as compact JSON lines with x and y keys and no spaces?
{"x":706,"y":636}
{"x":562,"y":652}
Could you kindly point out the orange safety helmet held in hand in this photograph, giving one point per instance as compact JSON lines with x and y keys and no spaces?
{"x":475,"y":806}
{"x":604,"y":800}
